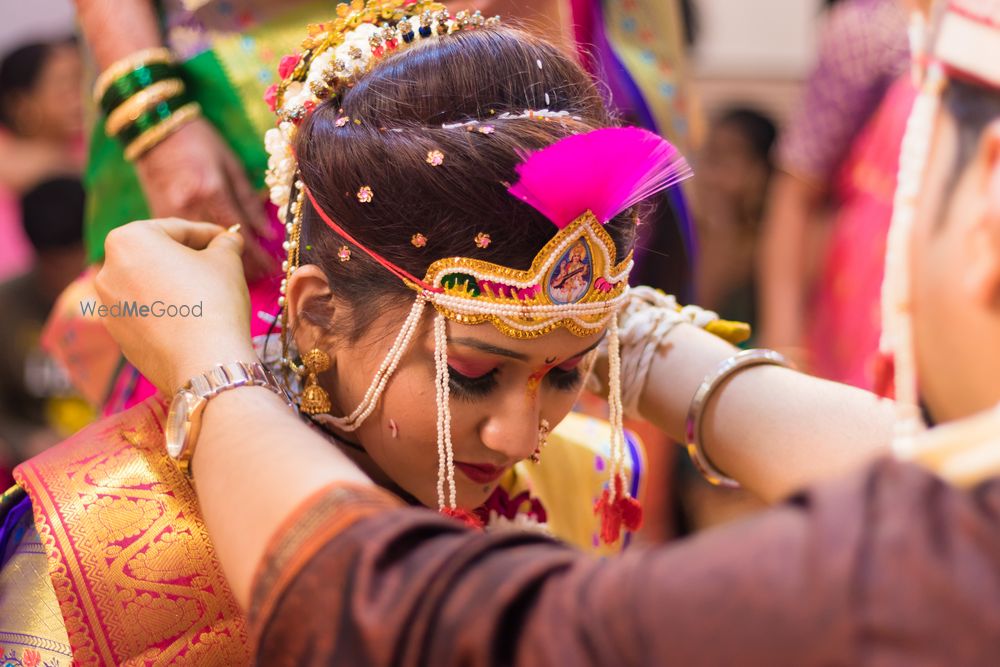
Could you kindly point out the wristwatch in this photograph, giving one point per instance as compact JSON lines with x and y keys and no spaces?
{"x":184,"y":418}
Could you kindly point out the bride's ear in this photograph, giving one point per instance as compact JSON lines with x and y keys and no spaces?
{"x":310,"y":306}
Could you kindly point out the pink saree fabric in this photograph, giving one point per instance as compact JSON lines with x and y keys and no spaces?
{"x":846,"y":320}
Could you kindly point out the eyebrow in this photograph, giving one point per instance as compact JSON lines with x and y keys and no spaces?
{"x":504,"y":352}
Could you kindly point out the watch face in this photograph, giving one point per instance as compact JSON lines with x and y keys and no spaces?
{"x":177,"y":424}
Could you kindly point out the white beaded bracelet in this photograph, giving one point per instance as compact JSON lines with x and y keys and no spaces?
{"x":645,"y":322}
{"x":706,"y":391}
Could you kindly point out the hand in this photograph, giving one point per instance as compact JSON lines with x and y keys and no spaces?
{"x":172,"y":262}
{"x":192,"y":174}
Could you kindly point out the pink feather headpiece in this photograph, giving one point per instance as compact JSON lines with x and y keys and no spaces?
{"x":605,"y":172}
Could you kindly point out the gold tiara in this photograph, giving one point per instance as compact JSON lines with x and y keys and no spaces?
{"x":574,"y":282}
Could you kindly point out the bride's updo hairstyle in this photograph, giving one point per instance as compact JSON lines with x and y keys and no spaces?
{"x":370,"y":161}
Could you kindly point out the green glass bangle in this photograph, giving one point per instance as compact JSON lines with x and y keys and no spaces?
{"x":128,"y":85}
{"x":150,"y":119}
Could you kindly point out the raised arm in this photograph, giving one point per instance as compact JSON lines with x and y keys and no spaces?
{"x":190,"y":173}
{"x":116,"y":28}
{"x":773,"y":429}
{"x":255,"y":461}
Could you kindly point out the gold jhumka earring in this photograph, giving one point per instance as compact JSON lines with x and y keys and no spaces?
{"x":315,"y":400}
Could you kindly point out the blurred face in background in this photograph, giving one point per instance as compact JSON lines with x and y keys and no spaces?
{"x":52,"y":109}
{"x":730,"y":168}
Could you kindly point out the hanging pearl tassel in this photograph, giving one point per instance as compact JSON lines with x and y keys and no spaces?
{"x":896,"y":344}
{"x":446,"y":454}
{"x":616,"y":507}
{"x":368,"y":404}
{"x":442,"y":393}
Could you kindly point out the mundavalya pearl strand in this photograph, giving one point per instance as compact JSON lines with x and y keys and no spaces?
{"x":446,"y":456}
{"x":368,"y":404}
{"x":897,"y":332}
{"x":615,"y":408}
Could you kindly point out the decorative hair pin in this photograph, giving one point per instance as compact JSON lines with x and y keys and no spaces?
{"x":527,"y":114}
{"x":435,"y":158}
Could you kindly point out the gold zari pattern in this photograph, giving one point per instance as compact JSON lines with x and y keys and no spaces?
{"x":129,"y":556}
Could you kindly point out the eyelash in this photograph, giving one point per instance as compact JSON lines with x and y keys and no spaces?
{"x":565,"y":380}
{"x":471,"y":389}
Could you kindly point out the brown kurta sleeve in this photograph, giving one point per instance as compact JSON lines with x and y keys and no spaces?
{"x":887,"y":567}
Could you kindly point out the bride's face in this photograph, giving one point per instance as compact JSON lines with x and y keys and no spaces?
{"x":501,"y":389}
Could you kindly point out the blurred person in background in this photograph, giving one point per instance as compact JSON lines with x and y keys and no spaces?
{"x":37,"y":405}
{"x":41,"y":133}
{"x":837,"y":164}
{"x":734,"y":173}
{"x":734,"y":170}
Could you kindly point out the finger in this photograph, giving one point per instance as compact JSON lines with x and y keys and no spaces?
{"x":228,"y":241}
{"x":194,"y":235}
{"x":250,"y":202}
{"x":257,"y":260}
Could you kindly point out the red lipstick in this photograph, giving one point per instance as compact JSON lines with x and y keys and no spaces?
{"x":481,"y":473}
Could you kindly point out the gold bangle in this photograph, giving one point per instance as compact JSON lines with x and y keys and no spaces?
{"x":706,"y":391}
{"x":141,"y":102}
{"x":123,"y":66}
{"x":154,"y":136}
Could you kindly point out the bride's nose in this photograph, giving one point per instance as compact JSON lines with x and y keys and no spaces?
{"x":511,"y":428}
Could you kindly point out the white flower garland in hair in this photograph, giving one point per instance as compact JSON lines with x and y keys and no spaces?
{"x":352,"y":58}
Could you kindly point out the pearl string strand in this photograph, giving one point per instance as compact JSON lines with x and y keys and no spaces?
{"x":446,"y":385}
{"x":370,"y":401}
{"x":615,"y":408}
{"x":446,"y":467}
{"x":897,"y":333}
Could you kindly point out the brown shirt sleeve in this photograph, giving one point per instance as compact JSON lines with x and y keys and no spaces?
{"x":888,"y":567}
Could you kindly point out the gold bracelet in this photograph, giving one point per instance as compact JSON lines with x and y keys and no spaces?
{"x":154,"y":136}
{"x":141,"y":102}
{"x":123,"y":66}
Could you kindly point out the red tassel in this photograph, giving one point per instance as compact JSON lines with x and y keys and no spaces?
{"x":631,"y":511}
{"x":624,"y":511}
{"x":885,"y":376}
{"x":464,"y":516}
{"x":611,"y":521}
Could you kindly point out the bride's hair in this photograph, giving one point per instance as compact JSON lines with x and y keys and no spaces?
{"x":397,"y":115}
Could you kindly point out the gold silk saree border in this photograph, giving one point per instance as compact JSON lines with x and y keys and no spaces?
{"x":130,"y":559}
